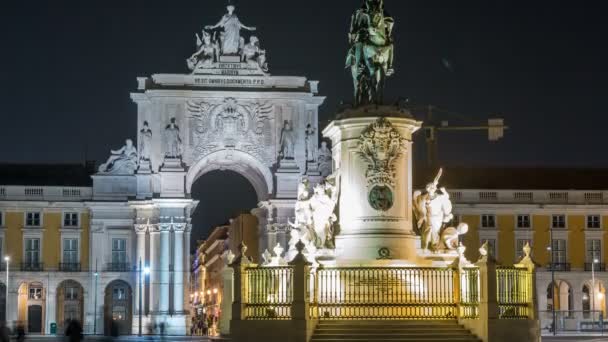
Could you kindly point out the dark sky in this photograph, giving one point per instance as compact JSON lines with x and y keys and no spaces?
{"x":68,"y":67}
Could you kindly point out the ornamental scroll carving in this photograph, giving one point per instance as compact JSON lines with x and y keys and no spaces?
{"x":380,"y":146}
{"x":231,"y":124}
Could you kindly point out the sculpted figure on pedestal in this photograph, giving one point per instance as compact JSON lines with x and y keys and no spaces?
{"x":370,"y":56}
{"x":230,"y":37}
{"x":325,"y":160}
{"x":206,"y":54}
{"x":173,"y":142}
{"x":253,"y":55}
{"x":122,"y":161}
{"x":433,"y":212}
{"x":311,"y":143}
{"x":288,"y":141}
{"x":145,"y":142}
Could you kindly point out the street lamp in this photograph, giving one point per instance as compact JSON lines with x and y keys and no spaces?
{"x":145,"y":271}
{"x":553,"y":286}
{"x":7,"y":259}
{"x":595,"y":261}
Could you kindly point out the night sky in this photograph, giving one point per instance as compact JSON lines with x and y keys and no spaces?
{"x":68,"y":68}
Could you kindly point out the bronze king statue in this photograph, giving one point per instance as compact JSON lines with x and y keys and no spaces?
{"x":370,"y":56}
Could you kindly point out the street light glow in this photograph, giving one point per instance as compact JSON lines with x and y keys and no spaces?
{"x":146,"y":270}
{"x":595,"y":261}
{"x":208,"y":292}
{"x":215,"y":291}
{"x":7,"y":258}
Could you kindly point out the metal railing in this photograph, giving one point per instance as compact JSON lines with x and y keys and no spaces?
{"x":69,"y":267}
{"x":598,"y":267}
{"x":570,"y":321}
{"x":387,"y":293}
{"x":469,"y":293}
{"x":268,"y":292}
{"x":32,"y":266}
{"x":559,"y":267}
{"x":514,"y":292}
{"x":118,"y":267}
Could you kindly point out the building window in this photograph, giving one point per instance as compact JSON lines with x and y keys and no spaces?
{"x":119,"y":293}
{"x":488,"y":221}
{"x":32,"y":219}
{"x":70,"y":219}
{"x":70,"y":251}
{"x":558,"y":221}
{"x":1,"y":219}
{"x":519,"y":247}
{"x":119,"y":251}
{"x":594,"y":250}
{"x":32,"y":251}
{"x":558,"y":249}
{"x":523,"y":221}
{"x":593,"y":222}
{"x":35,"y":292}
{"x":71,"y":292}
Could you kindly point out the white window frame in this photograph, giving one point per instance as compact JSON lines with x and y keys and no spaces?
{"x":587,"y":245}
{"x":78,"y":219}
{"x":599,"y":221}
{"x":33,"y":234}
{"x":41,"y":215}
{"x":76,"y":237}
{"x":40,"y":256}
{"x":565,"y":250}
{"x":530,"y":227}
{"x":481,"y":225}
{"x":565,"y":221}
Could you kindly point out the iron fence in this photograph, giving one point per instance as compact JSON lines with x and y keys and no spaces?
{"x":515,"y":292}
{"x":268,"y":292}
{"x":387,"y":293}
{"x":469,"y":293}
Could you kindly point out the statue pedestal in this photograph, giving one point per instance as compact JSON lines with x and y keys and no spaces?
{"x":375,"y":207}
{"x":172,"y":178}
{"x":312,"y":169}
{"x":288,"y":176}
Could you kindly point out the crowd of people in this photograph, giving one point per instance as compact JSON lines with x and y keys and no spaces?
{"x":204,"y":326}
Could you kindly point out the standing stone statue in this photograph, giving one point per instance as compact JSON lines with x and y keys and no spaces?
{"x":230,"y":38}
{"x":122,"y":161}
{"x":173,"y":142}
{"x":311,"y":143}
{"x":370,"y":56}
{"x":288,"y":141}
{"x":433,"y":214}
{"x":145,"y":142}
{"x":325,"y":160}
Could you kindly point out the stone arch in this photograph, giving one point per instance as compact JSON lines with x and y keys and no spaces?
{"x":252,"y":169}
{"x":118,"y":308}
{"x":564,"y":295}
{"x":69,"y":304}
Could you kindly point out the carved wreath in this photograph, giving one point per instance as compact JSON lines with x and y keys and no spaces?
{"x":380,"y":145}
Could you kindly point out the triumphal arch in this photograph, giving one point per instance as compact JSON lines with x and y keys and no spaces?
{"x":225,"y":112}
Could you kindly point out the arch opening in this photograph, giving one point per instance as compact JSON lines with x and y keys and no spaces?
{"x":70,"y":295}
{"x":118,"y":308}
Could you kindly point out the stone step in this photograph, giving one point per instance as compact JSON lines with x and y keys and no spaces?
{"x":388,"y":322}
{"x":405,"y":331}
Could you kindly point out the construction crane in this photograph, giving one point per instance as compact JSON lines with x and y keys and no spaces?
{"x":495,"y":128}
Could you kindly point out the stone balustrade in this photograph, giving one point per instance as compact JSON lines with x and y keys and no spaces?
{"x":45,"y":193}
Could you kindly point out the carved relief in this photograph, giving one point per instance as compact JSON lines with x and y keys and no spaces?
{"x":230,"y":124}
{"x":380,"y":146}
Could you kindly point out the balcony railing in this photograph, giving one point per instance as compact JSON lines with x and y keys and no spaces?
{"x":598,"y":267}
{"x":69,"y":267}
{"x":559,"y":267}
{"x":118,"y":267}
{"x":32,"y":266}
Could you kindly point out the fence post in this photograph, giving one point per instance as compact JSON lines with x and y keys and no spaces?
{"x":240,"y":283}
{"x":227,"y":293}
{"x":300,"y":307}
{"x":527,"y":263}
{"x":488,"y":303}
{"x":457,"y":267}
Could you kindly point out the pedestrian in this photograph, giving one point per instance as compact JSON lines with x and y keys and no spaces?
{"x":20,"y":332}
{"x":74,"y":331}
{"x":4,"y":333}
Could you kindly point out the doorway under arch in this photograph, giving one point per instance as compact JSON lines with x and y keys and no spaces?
{"x":70,"y":296}
{"x":118,"y":308}
{"x":222,"y":195}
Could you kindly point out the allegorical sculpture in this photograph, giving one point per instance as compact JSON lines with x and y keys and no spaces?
{"x":433,"y":211}
{"x":145,"y":142}
{"x":370,"y":56}
{"x":230,"y":36}
{"x":315,"y":219}
{"x":173,"y":142}
{"x":253,"y":55}
{"x":311,"y":143}
{"x":207,"y":52}
{"x":122,"y":161}
{"x":288,"y":141}
{"x":380,"y":145}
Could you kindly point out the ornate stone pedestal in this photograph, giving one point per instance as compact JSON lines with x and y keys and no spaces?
{"x":173,"y":178}
{"x":288,"y":176}
{"x":372,"y":147}
{"x":144,"y":180}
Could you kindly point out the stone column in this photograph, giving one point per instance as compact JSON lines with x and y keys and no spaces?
{"x":153,"y":305}
{"x":165,"y":242}
{"x":178,"y":269}
{"x":187,"y":263}
{"x":140,"y":261}
{"x":51,"y":307}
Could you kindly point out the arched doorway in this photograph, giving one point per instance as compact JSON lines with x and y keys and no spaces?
{"x":31,"y":306}
{"x":118,"y":308}
{"x":561,"y":291}
{"x":222,"y":195}
{"x":70,"y":296}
